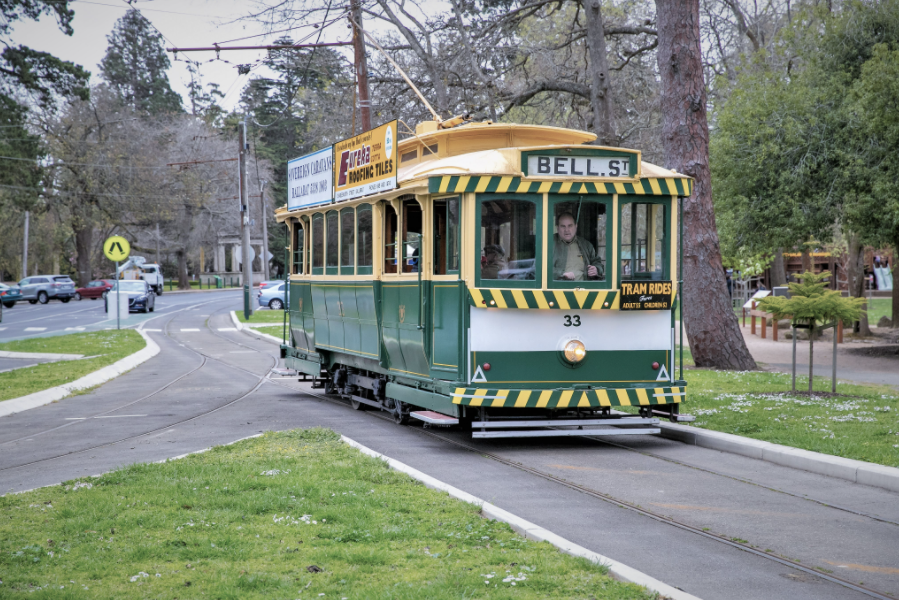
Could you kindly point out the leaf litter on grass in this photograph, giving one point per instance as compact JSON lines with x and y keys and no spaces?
{"x":295,"y":514}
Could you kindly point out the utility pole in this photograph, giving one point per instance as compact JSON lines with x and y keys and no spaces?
{"x":245,"y":223}
{"x":157,"y":247}
{"x":265,"y":267}
{"x":25,"y":249}
{"x":361,"y":65}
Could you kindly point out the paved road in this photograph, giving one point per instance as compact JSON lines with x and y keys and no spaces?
{"x":26,"y":320}
{"x":209,"y":387}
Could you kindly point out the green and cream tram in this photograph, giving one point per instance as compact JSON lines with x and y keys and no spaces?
{"x":515,"y":280}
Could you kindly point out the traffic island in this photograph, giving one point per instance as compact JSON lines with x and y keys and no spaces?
{"x":295,"y":514}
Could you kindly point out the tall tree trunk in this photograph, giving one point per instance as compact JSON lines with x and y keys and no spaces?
{"x":84,"y":246}
{"x":183,"y":283}
{"x":857,"y":280}
{"x":600,"y":93}
{"x":807,"y":264}
{"x":712,"y":327}
{"x":778,"y":271}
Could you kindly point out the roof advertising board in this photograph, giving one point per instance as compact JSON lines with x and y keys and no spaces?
{"x":366,"y":164}
{"x":310,"y":179}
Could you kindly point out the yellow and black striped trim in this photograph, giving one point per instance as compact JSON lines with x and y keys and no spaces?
{"x":546,"y":299}
{"x":568,"y":398}
{"x":502,"y":184}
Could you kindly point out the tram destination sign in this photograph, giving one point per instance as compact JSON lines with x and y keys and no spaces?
{"x":580,"y":163}
{"x":366,"y":164}
{"x":310,"y":179}
{"x":645,"y":295}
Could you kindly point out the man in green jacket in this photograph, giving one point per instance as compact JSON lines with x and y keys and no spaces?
{"x":574,"y":257}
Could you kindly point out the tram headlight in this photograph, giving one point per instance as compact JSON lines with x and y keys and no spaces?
{"x":574,"y":351}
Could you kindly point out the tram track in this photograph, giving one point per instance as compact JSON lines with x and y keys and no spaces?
{"x":620,"y":503}
{"x":205,"y":359}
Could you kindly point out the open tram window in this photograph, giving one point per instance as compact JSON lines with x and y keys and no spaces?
{"x":390,"y":235}
{"x":412,"y":228}
{"x":318,"y":244}
{"x":508,"y":240}
{"x":644,"y":246}
{"x":580,"y":239}
{"x":347,"y":240}
{"x":364,"y":254}
{"x":446,"y":236}
{"x":331,"y":241}
{"x":299,"y":239}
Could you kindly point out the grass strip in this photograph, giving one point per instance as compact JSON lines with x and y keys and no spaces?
{"x":275,"y":330}
{"x":107,"y":346}
{"x":862,"y":424}
{"x":294,"y":514}
{"x":262,"y":316}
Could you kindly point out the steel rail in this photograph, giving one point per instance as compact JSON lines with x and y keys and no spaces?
{"x":262,"y":379}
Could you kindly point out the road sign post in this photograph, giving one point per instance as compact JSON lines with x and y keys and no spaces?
{"x":116,"y":248}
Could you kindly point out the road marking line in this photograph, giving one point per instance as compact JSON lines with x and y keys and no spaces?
{"x":183,"y":330}
{"x":74,"y":328}
{"x":154,"y":330}
{"x":35,"y":329}
{"x":2,"y":328}
{"x":117,"y":416}
{"x":242,"y":352}
{"x":227,"y":328}
{"x":75,"y":418}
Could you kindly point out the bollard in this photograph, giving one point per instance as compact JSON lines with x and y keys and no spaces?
{"x":764,"y":328}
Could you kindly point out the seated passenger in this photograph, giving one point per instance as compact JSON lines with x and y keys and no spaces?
{"x":493,"y":261}
{"x":574,"y":257}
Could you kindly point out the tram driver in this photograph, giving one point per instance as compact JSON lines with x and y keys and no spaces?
{"x":575,"y":258}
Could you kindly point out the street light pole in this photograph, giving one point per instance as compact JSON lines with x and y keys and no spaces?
{"x":245,"y":222}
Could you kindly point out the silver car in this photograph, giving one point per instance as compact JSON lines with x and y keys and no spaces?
{"x":272,"y":296}
{"x":43,"y":288}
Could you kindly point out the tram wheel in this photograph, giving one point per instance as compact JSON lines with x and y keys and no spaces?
{"x":397,"y":412}
{"x":329,"y":386}
{"x":356,"y":405}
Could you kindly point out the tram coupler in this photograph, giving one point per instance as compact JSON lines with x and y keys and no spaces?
{"x":672,"y":413}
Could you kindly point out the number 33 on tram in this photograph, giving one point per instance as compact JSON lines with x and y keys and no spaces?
{"x":516,"y":281}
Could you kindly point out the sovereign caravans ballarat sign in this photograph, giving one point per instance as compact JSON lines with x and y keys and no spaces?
{"x":310,"y":179}
{"x":366,"y":164}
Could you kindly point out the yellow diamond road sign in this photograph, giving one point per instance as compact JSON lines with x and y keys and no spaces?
{"x":116,"y":248}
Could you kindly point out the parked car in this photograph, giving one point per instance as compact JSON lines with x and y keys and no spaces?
{"x":43,"y":288}
{"x":519,"y":269}
{"x":270,"y":283}
{"x":141,"y":297}
{"x":9,"y":295}
{"x":272,"y":296}
{"x":94,"y":289}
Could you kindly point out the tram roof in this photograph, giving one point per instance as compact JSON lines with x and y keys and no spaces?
{"x":493,"y":150}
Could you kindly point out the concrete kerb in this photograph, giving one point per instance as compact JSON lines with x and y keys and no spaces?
{"x":40,"y":355}
{"x":246,"y":328}
{"x":824,"y":464}
{"x":98,"y":377}
{"x":530,"y":530}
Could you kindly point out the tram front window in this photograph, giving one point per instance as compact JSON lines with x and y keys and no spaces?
{"x":643,"y":241}
{"x":508,"y":240}
{"x":579,"y":243}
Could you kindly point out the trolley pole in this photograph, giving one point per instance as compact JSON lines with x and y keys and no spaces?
{"x":361,"y":65}
{"x":245,"y":223}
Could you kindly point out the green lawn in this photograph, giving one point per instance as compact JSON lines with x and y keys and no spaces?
{"x":879,"y":307}
{"x":107,"y":346}
{"x":863,"y":424}
{"x":295,"y":514}
{"x":262,"y":316}
{"x":275,"y":330}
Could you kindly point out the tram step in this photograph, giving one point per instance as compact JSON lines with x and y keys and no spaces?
{"x":567,"y":432}
{"x":435,"y":418}
{"x":509,"y":424}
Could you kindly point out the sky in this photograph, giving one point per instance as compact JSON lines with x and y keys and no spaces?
{"x":184,"y":23}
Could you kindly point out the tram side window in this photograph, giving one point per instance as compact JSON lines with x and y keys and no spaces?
{"x":446,"y":236}
{"x":364,"y":254}
{"x":412,"y":228}
{"x":318,"y":241}
{"x":299,"y":239}
{"x":579,"y":243}
{"x":390,"y":222}
{"x":644,"y":247}
{"x":332,"y":240}
{"x":508,"y":239}
{"x":347,"y":237}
